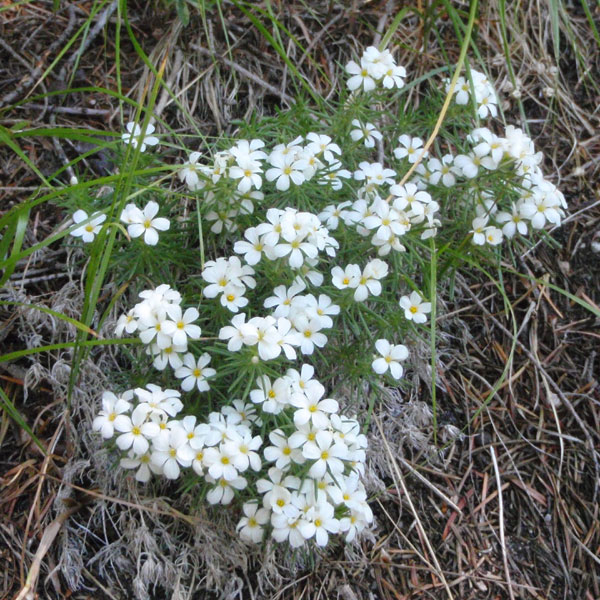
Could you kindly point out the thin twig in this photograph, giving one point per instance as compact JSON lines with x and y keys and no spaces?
{"x":67,"y":110}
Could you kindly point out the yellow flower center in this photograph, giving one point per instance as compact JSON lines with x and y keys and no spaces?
{"x":230,"y":297}
{"x":147,"y":223}
{"x":318,"y":522}
{"x":89,"y":227}
{"x":190,"y":435}
{"x":413,"y":309}
{"x":136,"y":431}
{"x":197,"y":372}
{"x":271,"y":394}
{"x":324,"y":455}
{"x":252,"y":522}
{"x":281,"y":502}
{"x":225,"y":460}
{"x":112,"y":416}
{"x":172,"y":453}
{"x":287,"y":451}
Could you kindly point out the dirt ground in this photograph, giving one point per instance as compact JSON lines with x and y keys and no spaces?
{"x":510,"y":511}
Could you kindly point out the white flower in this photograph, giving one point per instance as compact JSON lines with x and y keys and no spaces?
{"x":181,"y":327}
{"x":239,"y":333}
{"x":345,"y":278}
{"x":219,"y":461}
{"x":283,"y":451}
{"x":250,"y":526}
{"x":366,"y":132}
{"x":390,"y":358}
{"x":134,"y":136}
{"x":410,"y":148}
{"x":253,"y":248}
{"x":143,"y":465}
{"x":172,"y":452}
{"x":308,"y":334}
{"x":479,"y":224}
{"x":222,"y":493}
{"x":513,"y":222}
{"x":274,"y":398}
{"x":285,"y":169}
{"x":242,"y":448}
{"x":327,"y":454}
{"x":414,"y":307}
{"x":112,"y":406}
{"x":283,"y":298}
{"x":493,"y":236}
{"x":233,"y":297}
{"x":135,"y":431}
{"x":324,"y":522}
{"x":311,"y":408}
{"x":144,"y":222}
{"x":267,"y":337}
{"x":189,"y":173}
{"x":170,"y":355}
{"x":195,"y":373}
{"x":87,"y":232}
{"x":196,"y":435}
{"x":320,"y":144}
{"x":126,"y":323}
{"x":360,"y":76}
{"x":159,"y":402}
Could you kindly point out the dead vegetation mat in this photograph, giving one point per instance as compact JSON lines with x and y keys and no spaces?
{"x":507,"y":510}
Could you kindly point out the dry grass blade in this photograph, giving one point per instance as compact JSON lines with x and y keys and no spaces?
{"x":50,"y":533}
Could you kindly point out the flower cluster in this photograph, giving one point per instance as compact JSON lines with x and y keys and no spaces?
{"x":362,"y":282}
{"x":485,"y":96}
{"x":157,"y":443}
{"x":390,"y":218}
{"x":229,"y":278}
{"x":164,"y":328}
{"x":376,"y":67}
{"x":297,"y":322}
{"x":281,"y":449}
{"x":299,"y":236}
{"x":314,"y":487}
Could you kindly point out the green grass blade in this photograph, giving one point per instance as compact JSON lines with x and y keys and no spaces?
{"x":15,"y":415}
{"x":62,"y":345}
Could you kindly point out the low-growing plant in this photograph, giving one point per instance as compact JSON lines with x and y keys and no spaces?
{"x":293,"y":264}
